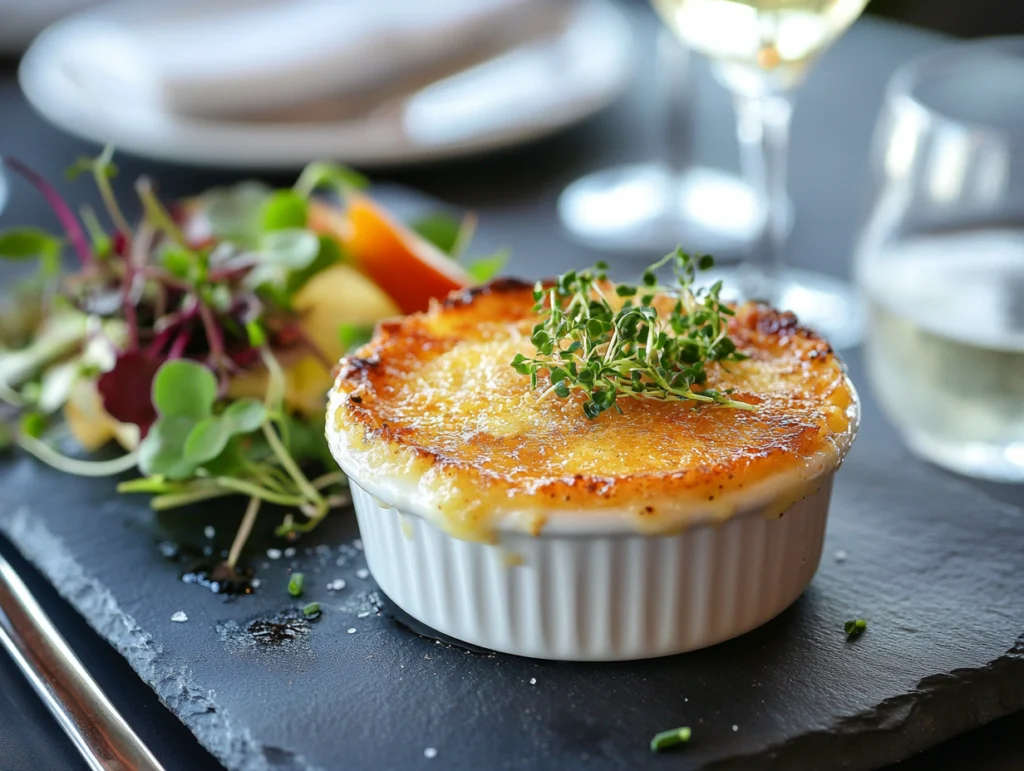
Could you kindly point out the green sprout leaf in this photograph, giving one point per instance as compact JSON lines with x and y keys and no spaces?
{"x":102,"y":165}
{"x":284,"y":210}
{"x":33,"y":424}
{"x":280,"y":253}
{"x":483,"y":269}
{"x":184,"y":388}
{"x":210,"y":436}
{"x":441,"y":229}
{"x":312,"y":610}
{"x":28,"y":244}
{"x":235,"y":213}
{"x":322,"y":175}
{"x":354,"y":335}
{"x":329,"y":253}
{"x":244,"y":416}
{"x":163,"y":450}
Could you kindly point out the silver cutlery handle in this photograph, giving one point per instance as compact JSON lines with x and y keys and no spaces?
{"x":98,"y":731}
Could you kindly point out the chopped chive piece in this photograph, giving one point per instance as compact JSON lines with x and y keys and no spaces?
{"x":312,"y":610}
{"x":296,"y":583}
{"x":667,"y":739}
{"x":855,"y":628}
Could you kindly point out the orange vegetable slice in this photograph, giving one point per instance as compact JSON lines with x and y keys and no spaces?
{"x":408,"y":268}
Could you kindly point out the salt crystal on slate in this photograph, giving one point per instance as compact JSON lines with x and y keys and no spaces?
{"x":358,"y":543}
{"x":352,"y":630}
{"x":735,"y":728}
{"x":337,"y":585}
{"x":289,"y":552}
{"x":533,"y":681}
{"x":179,"y":617}
{"x":274,"y":554}
{"x":430,"y":752}
{"x":255,"y":583}
{"x":209,"y":532}
{"x":840,"y":556}
{"x":362,"y":573}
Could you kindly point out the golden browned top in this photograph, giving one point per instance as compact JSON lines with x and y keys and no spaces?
{"x":432,"y":399}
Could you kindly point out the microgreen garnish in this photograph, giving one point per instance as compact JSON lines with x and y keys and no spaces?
{"x":296,"y":583}
{"x":667,"y":739}
{"x":452,"y":236}
{"x":353,"y":336}
{"x":855,"y":627}
{"x":628,"y":347}
{"x":179,"y":335}
{"x":312,"y":610}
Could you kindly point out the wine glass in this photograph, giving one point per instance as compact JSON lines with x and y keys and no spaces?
{"x":941,"y":258}
{"x":761,"y":50}
{"x":649,"y":207}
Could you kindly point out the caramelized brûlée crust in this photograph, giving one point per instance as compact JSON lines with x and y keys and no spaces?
{"x":431,"y":409}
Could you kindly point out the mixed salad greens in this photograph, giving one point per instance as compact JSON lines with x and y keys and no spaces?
{"x":200,"y":339}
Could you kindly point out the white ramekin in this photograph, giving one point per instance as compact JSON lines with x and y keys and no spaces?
{"x":596,"y":597}
{"x":592,"y":588}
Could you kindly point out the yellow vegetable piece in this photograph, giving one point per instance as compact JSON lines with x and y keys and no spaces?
{"x":337,"y":295}
{"x":90,"y":424}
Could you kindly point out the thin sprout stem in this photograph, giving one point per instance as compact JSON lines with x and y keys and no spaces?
{"x":82,"y":468}
{"x":138,"y":252}
{"x":156,"y":212}
{"x":213,"y":335}
{"x":254,"y":490}
{"x":275,"y":380}
{"x":92,"y":225}
{"x":10,"y":396}
{"x":67,"y":218}
{"x":166,"y":501}
{"x":244,"y":531}
{"x":328,"y":479}
{"x":288,"y":462}
{"x":107,"y":193}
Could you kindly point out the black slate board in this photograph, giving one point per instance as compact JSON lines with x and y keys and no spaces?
{"x":935,"y":567}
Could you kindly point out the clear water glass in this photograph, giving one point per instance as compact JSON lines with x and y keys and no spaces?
{"x":941,"y":258}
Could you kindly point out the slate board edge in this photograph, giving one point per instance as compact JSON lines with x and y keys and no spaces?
{"x":904,"y":725}
{"x":870,"y":737}
{"x":190,"y":703}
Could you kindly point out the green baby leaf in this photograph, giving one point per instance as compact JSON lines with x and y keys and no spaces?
{"x":184,"y":388}
{"x":441,"y":229}
{"x":329,"y":253}
{"x":330,"y":176}
{"x":354,"y":335}
{"x":163,"y":450}
{"x":234,"y":213}
{"x":283,"y":210}
{"x":484,"y":269}
{"x":28,"y":244}
{"x":210,"y":436}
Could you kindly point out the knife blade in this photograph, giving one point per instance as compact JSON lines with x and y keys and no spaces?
{"x":97,"y":729}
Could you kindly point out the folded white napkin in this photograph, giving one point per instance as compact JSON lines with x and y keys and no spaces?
{"x":213,"y":58}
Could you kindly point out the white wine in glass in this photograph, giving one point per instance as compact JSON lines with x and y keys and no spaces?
{"x":761,"y":50}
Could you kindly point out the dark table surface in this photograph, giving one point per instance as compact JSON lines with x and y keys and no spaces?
{"x":515,"y":192}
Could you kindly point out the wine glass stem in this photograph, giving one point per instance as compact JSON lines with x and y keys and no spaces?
{"x":763,"y":130}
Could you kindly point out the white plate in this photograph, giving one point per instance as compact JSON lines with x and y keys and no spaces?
{"x":524,"y":94}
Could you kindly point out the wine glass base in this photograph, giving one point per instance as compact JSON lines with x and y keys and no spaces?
{"x":829,"y":306}
{"x":992,"y":462}
{"x":647,"y":208}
